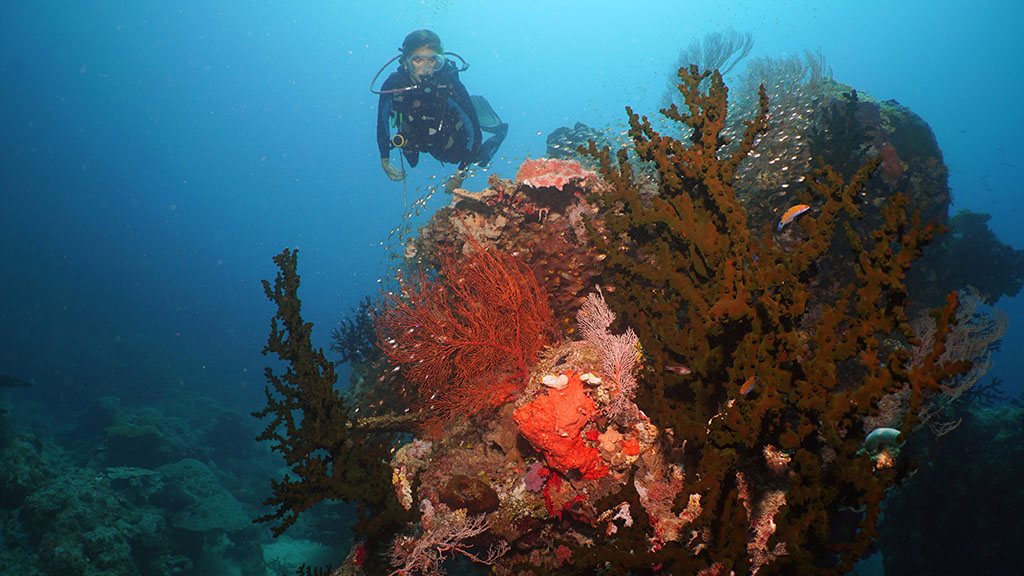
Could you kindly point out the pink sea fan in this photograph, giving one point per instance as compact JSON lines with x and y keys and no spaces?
{"x":550,"y":173}
{"x":594,"y":318}
{"x":618,"y":354}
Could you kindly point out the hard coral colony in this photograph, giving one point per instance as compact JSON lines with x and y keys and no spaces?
{"x":645,"y":446}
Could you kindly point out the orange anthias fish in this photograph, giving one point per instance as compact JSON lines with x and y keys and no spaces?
{"x":681,"y":370}
{"x":792,"y":213}
{"x":748,"y":385}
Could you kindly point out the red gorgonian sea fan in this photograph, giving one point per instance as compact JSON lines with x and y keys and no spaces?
{"x":467,"y":339}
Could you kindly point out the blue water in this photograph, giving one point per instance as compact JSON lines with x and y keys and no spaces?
{"x":154,"y":156}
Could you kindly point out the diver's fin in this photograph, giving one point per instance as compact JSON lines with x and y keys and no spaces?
{"x":489,"y":121}
{"x":490,"y":146}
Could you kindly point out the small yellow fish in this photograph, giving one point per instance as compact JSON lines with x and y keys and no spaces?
{"x":792,"y":213}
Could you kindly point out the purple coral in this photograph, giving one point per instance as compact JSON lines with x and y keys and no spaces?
{"x":535,"y":479}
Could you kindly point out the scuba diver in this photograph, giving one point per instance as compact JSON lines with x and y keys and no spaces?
{"x":432,"y":111}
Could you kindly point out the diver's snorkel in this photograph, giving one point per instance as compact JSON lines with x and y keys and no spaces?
{"x":462,"y":68}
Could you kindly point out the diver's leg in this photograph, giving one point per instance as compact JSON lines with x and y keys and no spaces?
{"x":490,"y":146}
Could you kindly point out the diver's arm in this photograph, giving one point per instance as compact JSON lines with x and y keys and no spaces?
{"x":455,"y":180}
{"x":384,"y":138}
{"x":392,"y":172}
{"x":384,"y":125}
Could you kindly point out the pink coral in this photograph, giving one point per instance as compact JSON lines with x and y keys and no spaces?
{"x":618,"y":355}
{"x":658,"y":495}
{"x":563,"y":555}
{"x":891,"y":163}
{"x":762,"y":523}
{"x":536,"y":476}
{"x":550,"y":173}
{"x":777,"y":460}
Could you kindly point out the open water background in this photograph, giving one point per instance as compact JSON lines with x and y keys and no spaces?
{"x":154,"y":156}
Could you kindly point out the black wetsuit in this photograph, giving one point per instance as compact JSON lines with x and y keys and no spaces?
{"x":436,"y":117}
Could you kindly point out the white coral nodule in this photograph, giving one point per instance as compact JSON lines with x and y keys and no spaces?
{"x":557,"y":382}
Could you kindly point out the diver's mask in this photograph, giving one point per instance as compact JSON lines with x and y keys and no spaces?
{"x":425,"y":64}
{"x":437,"y":61}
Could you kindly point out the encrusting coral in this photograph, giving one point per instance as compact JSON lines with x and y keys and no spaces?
{"x":553,"y":423}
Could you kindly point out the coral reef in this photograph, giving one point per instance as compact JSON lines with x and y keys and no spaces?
{"x":201,"y":503}
{"x":811,"y":116}
{"x":542,"y":226}
{"x":969,"y":254}
{"x":726,"y":417}
{"x":82,"y":528}
{"x":59,"y":518}
{"x":564,"y":142}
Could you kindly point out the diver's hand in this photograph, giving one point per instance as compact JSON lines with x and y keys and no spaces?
{"x":392,"y":172}
{"x":455,"y":181}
